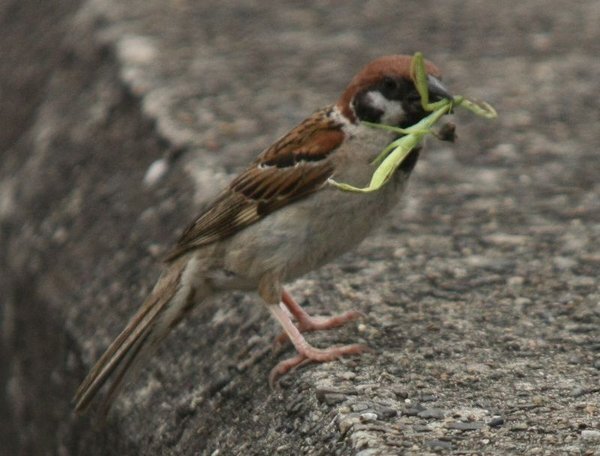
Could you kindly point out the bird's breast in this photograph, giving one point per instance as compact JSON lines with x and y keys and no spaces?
{"x":309,"y":233}
{"x":315,"y":230}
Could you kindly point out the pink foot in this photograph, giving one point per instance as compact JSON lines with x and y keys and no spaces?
{"x":312,"y":354}
{"x":306,"y":352}
{"x":306,"y":323}
{"x":319,"y":323}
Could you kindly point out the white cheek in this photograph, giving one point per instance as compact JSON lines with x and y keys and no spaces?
{"x":392,"y":109}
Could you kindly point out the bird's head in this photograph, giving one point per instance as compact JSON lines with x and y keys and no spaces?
{"x":383,"y":92}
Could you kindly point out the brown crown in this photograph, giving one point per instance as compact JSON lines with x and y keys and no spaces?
{"x":387,"y":66}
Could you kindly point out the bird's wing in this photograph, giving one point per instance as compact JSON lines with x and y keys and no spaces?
{"x":295,"y":166}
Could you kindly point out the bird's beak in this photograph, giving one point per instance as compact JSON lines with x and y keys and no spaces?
{"x":436,"y":89}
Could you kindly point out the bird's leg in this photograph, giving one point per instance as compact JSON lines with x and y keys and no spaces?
{"x":306,"y":352}
{"x":307,"y":323}
{"x":272,"y":292}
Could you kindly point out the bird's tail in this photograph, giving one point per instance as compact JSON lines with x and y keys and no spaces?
{"x":161,"y":311}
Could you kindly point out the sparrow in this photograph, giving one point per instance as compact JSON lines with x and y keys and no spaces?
{"x":279,"y":219}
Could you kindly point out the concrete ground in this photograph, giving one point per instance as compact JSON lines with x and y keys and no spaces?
{"x":482,"y":293}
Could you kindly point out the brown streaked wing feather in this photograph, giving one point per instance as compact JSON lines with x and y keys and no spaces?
{"x":312,"y":140}
{"x":290,"y":169}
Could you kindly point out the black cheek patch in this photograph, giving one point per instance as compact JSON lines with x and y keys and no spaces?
{"x":364,"y":110}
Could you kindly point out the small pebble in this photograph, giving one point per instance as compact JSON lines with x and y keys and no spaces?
{"x":333,"y":398}
{"x":577,"y":392}
{"x":432,"y":413}
{"x":519,"y":427}
{"x":359,"y":407}
{"x":413,"y":411}
{"x":346,"y":423}
{"x":496,"y":421}
{"x":399,"y":391}
{"x":515,"y":281}
{"x":333,"y":395}
{"x":156,"y":171}
{"x":439,"y":444}
{"x":136,"y":49}
{"x":386,"y":412}
{"x":574,"y":359}
{"x":368,"y":417}
{"x":590,"y":435}
{"x":421,"y":428}
{"x":505,"y":150}
{"x":470,"y":426}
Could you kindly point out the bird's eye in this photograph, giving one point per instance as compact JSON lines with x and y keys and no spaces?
{"x":390,"y":88}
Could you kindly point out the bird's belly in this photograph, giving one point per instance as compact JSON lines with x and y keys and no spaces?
{"x":308,"y":234}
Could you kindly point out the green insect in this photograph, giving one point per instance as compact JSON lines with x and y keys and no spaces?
{"x":392,"y":156}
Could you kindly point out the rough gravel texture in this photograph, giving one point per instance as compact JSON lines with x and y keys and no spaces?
{"x":120,"y":119}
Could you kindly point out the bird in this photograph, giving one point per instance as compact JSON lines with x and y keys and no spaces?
{"x":279,"y":219}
